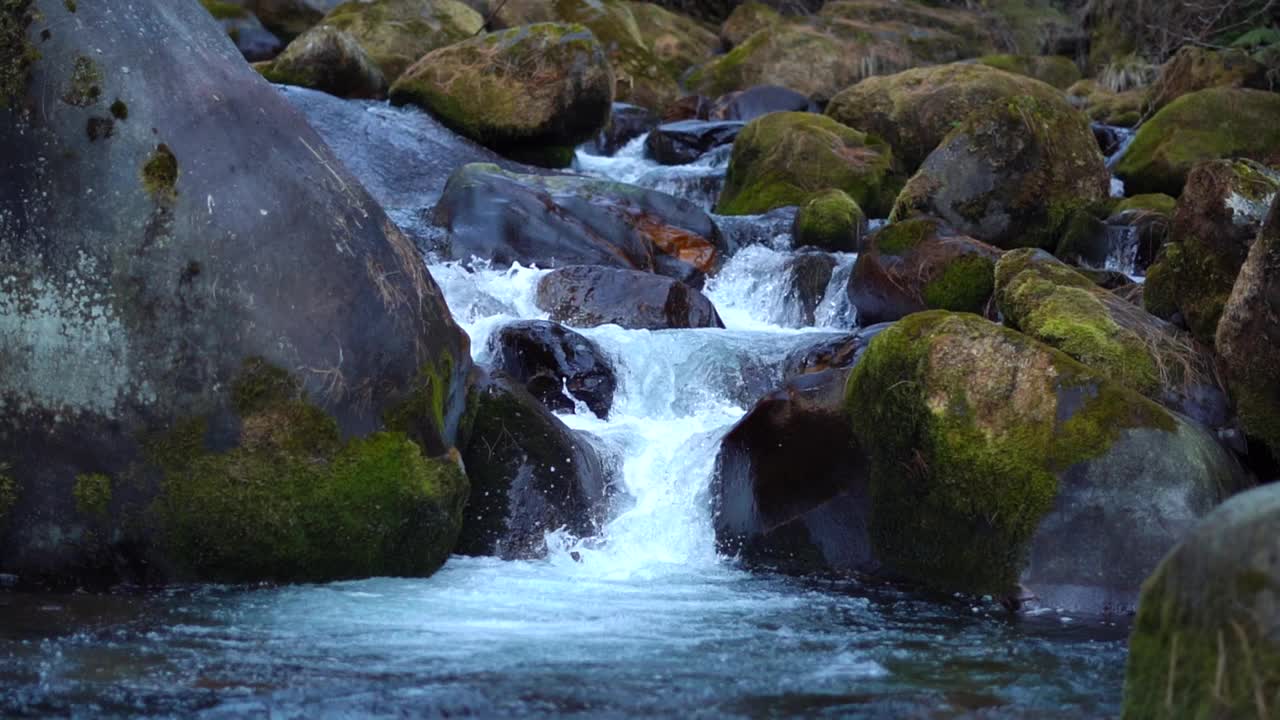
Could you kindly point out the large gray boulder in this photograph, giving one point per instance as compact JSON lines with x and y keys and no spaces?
{"x":203,"y":317}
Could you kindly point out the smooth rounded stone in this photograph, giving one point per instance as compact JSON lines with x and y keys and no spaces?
{"x":397,"y":33}
{"x":589,"y":296}
{"x":189,"y":308}
{"x":1011,"y":173}
{"x":1204,"y":640}
{"x":1215,"y":221}
{"x":1002,"y":466}
{"x":557,"y":365}
{"x":1213,"y":124}
{"x":681,"y":143}
{"x":749,"y":104}
{"x":402,"y":155}
{"x":830,"y":220}
{"x":553,"y":221}
{"x":1041,"y":296}
{"x":329,"y":60}
{"x":530,"y":475}
{"x":1248,"y":337}
{"x":532,"y":93}
{"x":626,"y":123}
{"x":808,"y":275}
{"x":921,"y":264}
{"x":790,"y":485}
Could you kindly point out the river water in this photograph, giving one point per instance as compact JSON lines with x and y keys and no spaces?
{"x":650,"y":622}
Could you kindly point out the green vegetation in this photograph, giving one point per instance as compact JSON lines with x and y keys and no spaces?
{"x":93,"y":495}
{"x":160,"y":174}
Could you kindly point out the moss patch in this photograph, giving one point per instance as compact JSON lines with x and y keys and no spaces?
{"x":830,"y":220}
{"x":224,"y":10}
{"x":160,"y":174}
{"x":16,"y":52}
{"x":421,"y":415}
{"x":8,"y":494}
{"x":119,"y":110}
{"x":85,"y":86}
{"x":964,"y":285}
{"x":93,"y":495}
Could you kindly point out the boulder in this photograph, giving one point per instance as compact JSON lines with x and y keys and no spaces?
{"x":1044,"y":298}
{"x":552,"y":221}
{"x":921,"y":264}
{"x":533,"y":92}
{"x":830,"y":220}
{"x":677,"y":42}
{"x":396,"y":33}
{"x":783,"y":158}
{"x":1248,"y":337}
{"x":556,"y":365}
{"x":1010,"y":174}
{"x":747,"y":105}
{"x":745,"y":20}
{"x":790,"y":484}
{"x":626,"y":123}
{"x":1204,"y":639}
{"x":807,"y":276}
{"x":1085,"y":238}
{"x":246,"y":366}
{"x":290,"y":18}
{"x":1141,"y":224}
{"x":589,"y":296}
{"x":969,"y":28}
{"x":256,"y":43}
{"x":680,"y":143}
{"x":998,"y":462}
{"x":530,"y":475}
{"x":329,"y":60}
{"x":1214,"y":124}
{"x":1115,"y":109}
{"x":1055,"y":70}
{"x":914,"y":110}
{"x":1216,"y":220}
{"x":1196,"y":68}
{"x":687,"y":107}
{"x":833,"y":352}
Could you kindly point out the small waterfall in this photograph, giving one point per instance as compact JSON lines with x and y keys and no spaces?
{"x":699,"y":182}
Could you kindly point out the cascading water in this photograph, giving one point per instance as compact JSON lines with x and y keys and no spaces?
{"x":644,"y":619}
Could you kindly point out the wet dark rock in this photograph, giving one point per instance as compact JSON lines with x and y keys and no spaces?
{"x":750,"y":104}
{"x":530,"y":475}
{"x":1109,"y":138}
{"x":555,"y":363}
{"x":146,"y":272}
{"x":808,"y":275}
{"x":255,"y":42}
{"x":626,"y":123}
{"x":790,"y":488}
{"x":742,"y":230}
{"x":831,"y":353}
{"x":290,"y":18}
{"x":689,"y":107}
{"x":330,"y":60}
{"x":555,"y":221}
{"x":588,"y":295}
{"x":680,"y":143}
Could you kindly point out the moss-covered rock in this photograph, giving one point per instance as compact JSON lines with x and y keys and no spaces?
{"x":783,"y":158}
{"x":518,"y":91}
{"x":289,"y":18}
{"x":396,"y":33}
{"x":805,"y":56}
{"x":987,"y":449}
{"x":330,"y":60}
{"x":1196,"y":68}
{"x":1216,"y":220}
{"x":1122,"y":109}
{"x":677,"y":41}
{"x":969,"y":26}
{"x":1214,"y":124}
{"x":914,"y":110}
{"x":1248,"y":337}
{"x":1011,"y":174}
{"x":1055,"y":70}
{"x":921,"y":264}
{"x":745,"y":20}
{"x":830,"y":220}
{"x":1204,"y":640}
{"x":1051,"y":302}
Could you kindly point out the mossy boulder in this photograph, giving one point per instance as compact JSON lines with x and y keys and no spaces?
{"x":830,"y":220}
{"x":1196,"y":68}
{"x":1056,"y":70}
{"x":1122,"y":109}
{"x":914,"y":110}
{"x":997,"y":461}
{"x":745,"y":20}
{"x":921,"y":264}
{"x":677,"y":41}
{"x":517,"y":91}
{"x":396,"y":33}
{"x":1214,"y":124}
{"x":1011,"y":173}
{"x":130,"y":312}
{"x":330,"y":60}
{"x":1248,"y":337}
{"x":969,"y":26}
{"x":1216,"y":220}
{"x":530,"y":474}
{"x":1044,"y":298}
{"x":783,"y":158}
{"x":1204,"y":640}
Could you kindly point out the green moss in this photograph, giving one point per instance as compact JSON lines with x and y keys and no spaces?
{"x":8,"y":494}
{"x":830,"y":220}
{"x":1189,"y":278}
{"x":160,"y":174}
{"x":119,"y":110}
{"x":422,"y":414}
{"x":1057,"y":71}
{"x":85,"y":87}
{"x":17,"y":54}
{"x":547,"y":156}
{"x":899,"y":237}
{"x":93,"y":494}
{"x":965,"y":285}
{"x":1151,"y":202}
{"x":224,"y":10}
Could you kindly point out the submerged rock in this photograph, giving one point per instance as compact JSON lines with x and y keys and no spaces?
{"x":783,"y":158}
{"x":328,"y":60}
{"x":997,"y":462}
{"x":215,"y":368}
{"x":530,"y":475}
{"x":1204,"y":641}
{"x":554,"y":221}
{"x":532,"y":93}
{"x":589,"y":295}
{"x":626,"y":123}
{"x":556,"y":365}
